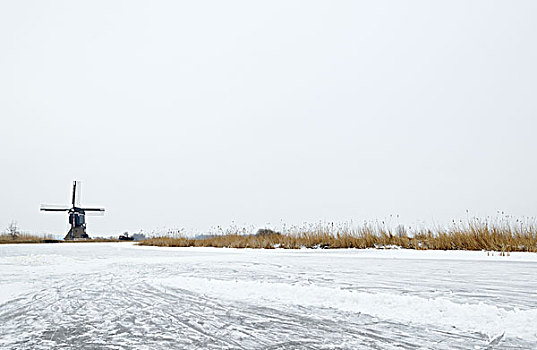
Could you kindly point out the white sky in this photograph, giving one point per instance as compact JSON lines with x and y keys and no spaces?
{"x":200,"y":113}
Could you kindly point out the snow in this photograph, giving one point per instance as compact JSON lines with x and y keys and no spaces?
{"x":485,"y":318}
{"x":122,"y":296}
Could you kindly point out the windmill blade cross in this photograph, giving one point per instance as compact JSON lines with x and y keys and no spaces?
{"x":76,"y":214}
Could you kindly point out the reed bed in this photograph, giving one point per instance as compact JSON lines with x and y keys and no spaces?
{"x":28,"y":238}
{"x":474,"y":234}
{"x":20,"y":238}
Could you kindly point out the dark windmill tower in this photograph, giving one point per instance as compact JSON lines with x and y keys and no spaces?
{"x":77,"y":215}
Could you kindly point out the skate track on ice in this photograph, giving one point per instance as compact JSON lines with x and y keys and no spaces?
{"x":120,"y":296}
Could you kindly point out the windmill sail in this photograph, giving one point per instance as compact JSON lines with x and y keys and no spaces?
{"x":78,"y":197}
{"x":52,"y":207}
{"x":94,"y":211}
{"x":73,"y":198}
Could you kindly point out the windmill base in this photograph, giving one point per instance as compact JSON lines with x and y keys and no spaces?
{"x":77,"y":233}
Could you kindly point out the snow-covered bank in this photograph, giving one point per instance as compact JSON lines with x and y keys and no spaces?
{"x":394,"y":253}
{"x":126,"y":296}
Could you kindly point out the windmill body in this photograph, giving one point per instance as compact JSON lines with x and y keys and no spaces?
{"x":77,"y":216}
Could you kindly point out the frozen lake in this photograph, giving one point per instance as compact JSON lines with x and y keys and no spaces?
{"x":121,"y":296}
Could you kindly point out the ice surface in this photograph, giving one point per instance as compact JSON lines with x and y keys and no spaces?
{"x":121,"y":296}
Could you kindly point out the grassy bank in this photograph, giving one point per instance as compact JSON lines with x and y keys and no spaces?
{"x":20,"y":238}
{"x":26,"y":238}
{"x":472,"y":235}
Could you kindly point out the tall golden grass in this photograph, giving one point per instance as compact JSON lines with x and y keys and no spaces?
{"x":474,"y":234}
{"x":20,"y":238}
{"x":28,"y":238}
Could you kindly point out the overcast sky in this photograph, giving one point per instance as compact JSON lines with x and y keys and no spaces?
{"x":202,"y":113}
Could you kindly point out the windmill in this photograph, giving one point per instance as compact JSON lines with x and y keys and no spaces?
{"x":77,"y":214}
